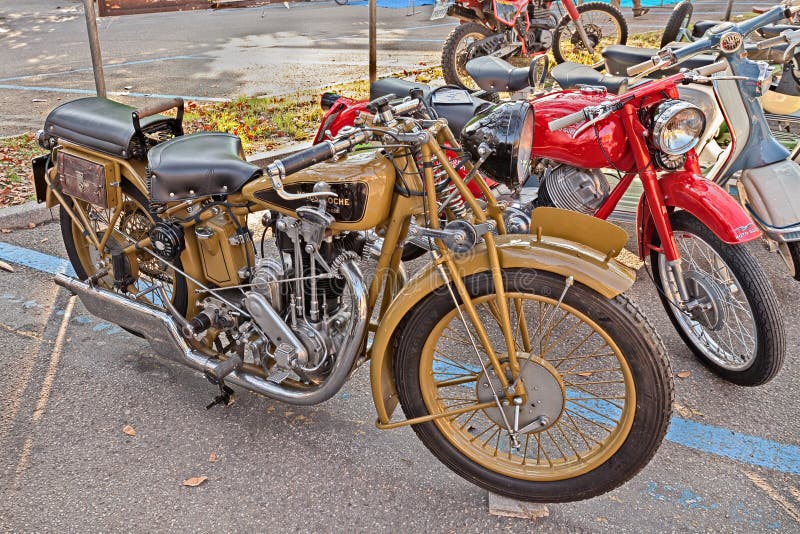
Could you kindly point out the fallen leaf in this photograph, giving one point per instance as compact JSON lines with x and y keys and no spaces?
{"x":6,"y":267}
{"x":129,"y":430}
{"x":615,"y":499}
{"x":5,"y":230}
{"x":194,"y":481}
{"x":212,"y":457}
{"x":31,"y":225}
{"x":585,"y":373}
{"x":38,"y":100}
{"x":683,"y":374}
{"x":698,"y":413}
{"x":682,"y":410}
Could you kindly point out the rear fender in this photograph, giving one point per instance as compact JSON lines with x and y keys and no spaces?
{"x":587,"y":260}
{"x":706,"y":201}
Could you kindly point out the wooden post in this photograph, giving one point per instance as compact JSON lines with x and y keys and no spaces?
{"x":94,"y":47}
{"x":728,"y":10}
{"x":373,"y":40}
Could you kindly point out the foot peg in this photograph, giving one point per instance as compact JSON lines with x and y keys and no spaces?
{"x":218,"y":372}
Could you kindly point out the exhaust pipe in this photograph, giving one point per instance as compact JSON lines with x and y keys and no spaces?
{"x":163,"y":334}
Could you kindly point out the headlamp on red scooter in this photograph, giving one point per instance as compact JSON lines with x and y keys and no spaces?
{"x":676,"y":127}
{"x":508,"y":130}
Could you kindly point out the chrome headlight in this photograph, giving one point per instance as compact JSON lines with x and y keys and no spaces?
{"x":677,"y":126}
{"x":507,"y":129}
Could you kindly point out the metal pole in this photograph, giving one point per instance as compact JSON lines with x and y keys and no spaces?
{"x":728,"y":10}
{"x":94,"y":46}
{"x":373,"y":40}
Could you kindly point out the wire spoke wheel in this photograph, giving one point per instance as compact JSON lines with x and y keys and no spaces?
{"x":581,"y":376}
{"x":459,"y":48}
{"x":134,"y":222}
{"x":732,"y":324}
{"x":604,"y":26}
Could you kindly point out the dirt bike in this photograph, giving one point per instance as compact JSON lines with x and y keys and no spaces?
{"x":714,"y":291}
{"x":525,"y":28}
{"x":516,"y":359}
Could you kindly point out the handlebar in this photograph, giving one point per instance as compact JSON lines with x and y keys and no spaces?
{"x":567,"y":120}
{"x":713,"y":68}
{"x":644,"y":66}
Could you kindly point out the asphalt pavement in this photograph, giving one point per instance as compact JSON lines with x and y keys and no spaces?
{"x":71,"y":382}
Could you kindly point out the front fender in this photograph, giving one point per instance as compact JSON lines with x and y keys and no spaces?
{"x":706,"y":201}
{"x":546,"y":253}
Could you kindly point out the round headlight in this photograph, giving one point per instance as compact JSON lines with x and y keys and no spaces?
{"x":677,"y":126}
{"x":507,"y":129}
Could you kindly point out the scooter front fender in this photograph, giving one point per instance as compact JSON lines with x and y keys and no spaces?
{"x":706,"y":201}
{"x":552,"y":251}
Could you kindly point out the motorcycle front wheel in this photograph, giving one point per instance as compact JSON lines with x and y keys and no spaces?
{"x":604,"y":26}
{"x":458,"y":50}
{"x":736,"y":330}
{"x":598,"y":382}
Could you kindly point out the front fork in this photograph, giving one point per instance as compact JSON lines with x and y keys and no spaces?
{"x":655,"y":201}
{"x":576,"y":18}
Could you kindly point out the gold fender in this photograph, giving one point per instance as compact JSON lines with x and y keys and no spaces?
{"x":565,"y":243}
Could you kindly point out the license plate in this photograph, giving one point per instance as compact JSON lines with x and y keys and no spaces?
{"x":440,"y":9}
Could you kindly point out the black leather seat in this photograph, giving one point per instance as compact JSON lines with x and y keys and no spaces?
{"x":494,"y":74}
{"x":619,"y":57}
{"x":571,"y":75}
{"x":100,"y":124}
{"x":197,"y":165}
{"x":456,"y":105}
{"x":702,"y":26}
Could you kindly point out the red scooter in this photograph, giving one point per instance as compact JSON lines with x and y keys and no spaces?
{"x":713,"y":289}
{"x":525,"y":28}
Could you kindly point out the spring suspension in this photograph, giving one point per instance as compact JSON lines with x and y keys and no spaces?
{"x":446,"y":191}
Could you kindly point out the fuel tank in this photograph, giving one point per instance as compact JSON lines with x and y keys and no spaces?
{"x":605,"y":147}
{"x":363,"y":181}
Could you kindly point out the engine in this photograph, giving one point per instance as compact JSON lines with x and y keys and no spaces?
{"x":296,"y":316}
{"x":582,"y":190}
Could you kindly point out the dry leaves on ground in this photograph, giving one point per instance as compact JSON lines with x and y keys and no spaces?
{"x":194,"y":481}
{"x":684,"y":374}
{"x":212,"y":457}
{"x":129,"y":430}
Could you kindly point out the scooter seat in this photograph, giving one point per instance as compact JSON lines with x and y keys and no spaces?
{"x":494,"y":74}
{"x":399,"y":88}
{"x":702,"y":26}
{"x":198,"y":165}
{"x":619,"y":57}
{"x":103,"y":125}
{"x":571,"y":75}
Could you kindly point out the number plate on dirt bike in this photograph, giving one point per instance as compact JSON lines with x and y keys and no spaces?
{"x":83,"y":178}
{"x":440,"y":9}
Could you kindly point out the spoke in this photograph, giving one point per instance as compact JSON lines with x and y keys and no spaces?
{"x":581,"y":359}
{"x":456,"y":381}
{"x":564,"y":456}
{"x":577,"y":454}
{"x":580,"y":433}
{"x":592,"y":393}
{"x":569,"y":332}
{"x":592,"y":421}
{"x":596,"y":412}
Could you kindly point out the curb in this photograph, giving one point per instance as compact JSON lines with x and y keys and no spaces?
{"x":22,"y":215}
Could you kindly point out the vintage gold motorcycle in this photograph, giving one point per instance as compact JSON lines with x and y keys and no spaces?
{"x":517,"y":358}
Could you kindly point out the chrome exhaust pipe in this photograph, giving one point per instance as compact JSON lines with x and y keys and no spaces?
{"x":163,"y":334}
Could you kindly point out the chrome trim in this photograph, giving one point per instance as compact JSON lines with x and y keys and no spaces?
{"x":163,"y":335}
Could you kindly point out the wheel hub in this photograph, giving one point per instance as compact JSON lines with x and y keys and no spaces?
{"x":545,"y":395}
{"x":712,"y":308}
{"x":593,"y":32}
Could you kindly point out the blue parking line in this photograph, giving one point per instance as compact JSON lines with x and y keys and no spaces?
{"x":710,"y":439}
{"x":114,"y":93}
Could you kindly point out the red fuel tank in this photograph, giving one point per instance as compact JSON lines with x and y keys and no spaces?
{"x":606,"y":147}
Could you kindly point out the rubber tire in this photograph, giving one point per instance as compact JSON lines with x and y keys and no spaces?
{"x":180,"y":292}
{"x":680,"y":13}
{"x":590,"y":6}
{"x":794,"y":252}
{"x":760,"y":296}
{"x":450,"y":47}
{"x":619,"y":317}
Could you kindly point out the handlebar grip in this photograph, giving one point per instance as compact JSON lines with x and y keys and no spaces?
{"x":641,"y":67}
{"x":708,"y":70}
{"x":771,"y":42}
{"x":317,"y":153}
{"x":159,"y":107}
{"x":567,"y":120}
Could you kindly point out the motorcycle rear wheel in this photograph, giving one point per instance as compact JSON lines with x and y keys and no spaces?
{"x":741,"y":336}
{"x":615,"y":398}
{"x":605,"y":26}
{"x":455,"y":53}
{"x":135,"y":221}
